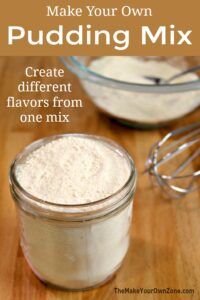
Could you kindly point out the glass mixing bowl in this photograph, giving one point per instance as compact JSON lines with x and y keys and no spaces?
{"x":137,"y":104}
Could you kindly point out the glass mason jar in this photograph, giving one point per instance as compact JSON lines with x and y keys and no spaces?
{"x":74,"y":247}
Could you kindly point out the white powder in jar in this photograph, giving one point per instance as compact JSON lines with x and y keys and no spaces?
{"x":144,"y":108}
{"x":74,"y":170}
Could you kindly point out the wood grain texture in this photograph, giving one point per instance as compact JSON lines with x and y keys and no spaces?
{"x":165,"y":235}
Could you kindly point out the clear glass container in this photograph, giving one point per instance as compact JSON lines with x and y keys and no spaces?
{"x":157,"y":101}
{"x":74,"y":247}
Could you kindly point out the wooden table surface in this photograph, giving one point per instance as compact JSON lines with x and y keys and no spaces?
{"x":165,"y":236}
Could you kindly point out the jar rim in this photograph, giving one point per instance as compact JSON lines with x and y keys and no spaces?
{"x":38,"y":143}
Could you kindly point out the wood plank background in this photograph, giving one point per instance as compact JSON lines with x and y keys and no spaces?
{"x":165,"y":235}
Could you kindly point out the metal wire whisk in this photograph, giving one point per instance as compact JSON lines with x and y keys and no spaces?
{"x":175,"y":161}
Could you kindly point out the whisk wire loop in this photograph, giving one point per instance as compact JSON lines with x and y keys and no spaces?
{"x":162,"y":154}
